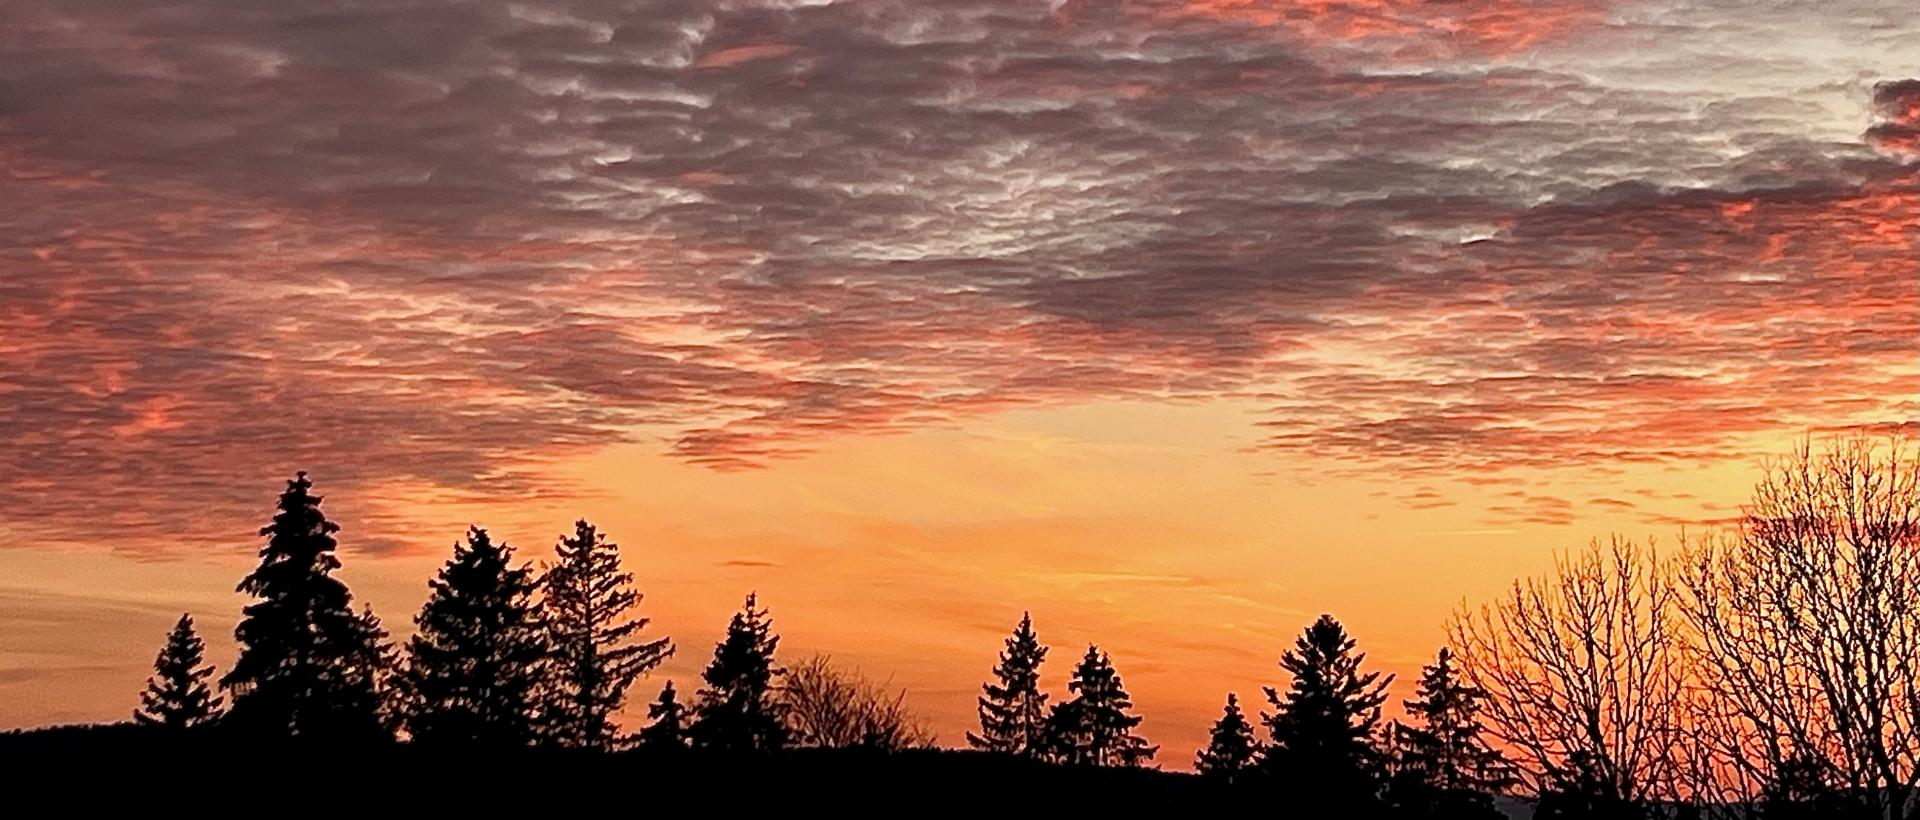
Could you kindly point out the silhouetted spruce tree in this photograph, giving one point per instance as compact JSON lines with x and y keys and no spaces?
{"x":1442,"y":765}
{"x":1231,"y":749}
{"x":737,"y":710}
{"x":177,"y":696}
{"x":1323,"y":730}
{"x":1094,"y":728}
{"x":475,"y":666}
{"x":669,"y":727}
{"x":594,"y":656}
{"x":1013,"y":712}
{"x":378,"y":663}
{"x":1063,"y":735}
{"x":304,"y":664}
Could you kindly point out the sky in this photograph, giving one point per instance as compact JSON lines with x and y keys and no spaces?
{"x":1176,"y":322}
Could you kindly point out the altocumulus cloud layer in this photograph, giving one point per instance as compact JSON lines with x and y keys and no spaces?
{"x":440,"y":241}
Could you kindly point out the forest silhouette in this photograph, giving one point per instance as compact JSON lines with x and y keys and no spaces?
{"x":1768,"y":671}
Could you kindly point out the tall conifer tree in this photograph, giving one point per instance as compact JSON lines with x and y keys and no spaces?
{"x":669,"y":727}
{"x":1324,"y":729}
{"x":1013,"y":712}
{"x":177,"y":696}
{"x":1442,"y":764}
{"x":1094,"y":728}
{"x":1231,"y":748}
{"x":303,"y":668}
{"x":377,"y":664}
{"x":596,"y":653}
{"x":737,"y":709}
{"x":475,"y":665}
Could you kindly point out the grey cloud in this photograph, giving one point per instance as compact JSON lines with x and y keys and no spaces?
{"x":479,"y":235}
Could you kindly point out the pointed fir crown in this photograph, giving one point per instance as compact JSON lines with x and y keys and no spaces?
{"x":1095,"y":724}
{"x":303,"y":619}
{"x":1325,"y":667}
{"x":177,"y":694}
{"x":738,"y":707}
{"x":299,"y":512}
{"x":1096,"y":676}
{"x":1329,"y":701}
{"x":479,"y":549}
{"x":299,"y":549}
{"x":589,"y":594}
{"x":669,"y":720}
{"x":668,"y":699}
{"x":1230,"y":748}
{"x":1233,"y":721}
{"x":1019,"y":666}
{"x":597,"y":650}
{"x":743,"y":660}
{"x":475,"y":663}
{"x":480,"y":577}
{"x":745,"y":655}
{"x":1441,"y":689}
{"x":479,"y":582}
{"x":1099,"y":688}
{"x":1012,"y":711}
{"x":1448,"y":745}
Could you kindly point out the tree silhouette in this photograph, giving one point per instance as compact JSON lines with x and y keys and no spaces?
{"x":1443,"y":765}
{"x":737,"y":710}
{"x":373,"y":668}
{"x":825,"y":706}
{"x":1324,"y":728}
{"x":595,"y":652}
{"x":474,"y":667}
{"x":303,"y":668}
{"x":669,"y":727}
{"x":1583,"y":670}
{"x":1803,"y":626}
{"x":1804,"y":788}
{"x":1094,"y":727}
{"x":1578,"y":788}
{"x":1013,"y":712}
{"x":1231,"y":748}
{"x":177,"y":696}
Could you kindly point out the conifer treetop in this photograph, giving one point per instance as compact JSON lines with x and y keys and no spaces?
{"x":597,"y":653}
{"x":307,"y":663}
{"x":1012,"y":709}
{"x":737,"y":709}
{"x":177,"y":695}
{"x":1231,"y":748}
{"x":476,"y":662}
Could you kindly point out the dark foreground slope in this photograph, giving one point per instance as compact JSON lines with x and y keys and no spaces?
{"x":129,"y":760}
{"x":91,"y":767}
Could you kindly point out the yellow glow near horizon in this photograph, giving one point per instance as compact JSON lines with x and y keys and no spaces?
{"x":1140,"y":527}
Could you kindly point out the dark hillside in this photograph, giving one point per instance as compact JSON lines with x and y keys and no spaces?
{"x":133,"y":761}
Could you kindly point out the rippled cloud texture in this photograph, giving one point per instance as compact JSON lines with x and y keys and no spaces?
{"x":447,"y":242}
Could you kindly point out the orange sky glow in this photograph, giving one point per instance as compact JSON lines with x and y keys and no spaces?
{"x":1174,"y":323}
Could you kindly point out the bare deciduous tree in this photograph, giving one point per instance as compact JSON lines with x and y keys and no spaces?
{"x":832,"y":708}
{"x":1804,"y":634}
{"x":1582,"y":674}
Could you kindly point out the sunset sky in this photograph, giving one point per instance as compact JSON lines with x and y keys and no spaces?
{"x":1176,"y":322}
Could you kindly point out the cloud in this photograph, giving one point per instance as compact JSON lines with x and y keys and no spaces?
{"x":1531,"y":508}
{"x":1472,"y":27}
{"x":1425,"y":498}
{"x":1898,"y":104}
{"x":448,"y":243}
